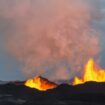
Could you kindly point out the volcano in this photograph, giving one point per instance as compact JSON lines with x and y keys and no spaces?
{"x":89,"y":89}
{"x":40,"y":83}
{"x":92,"y":72}
{"x":64,"y":94}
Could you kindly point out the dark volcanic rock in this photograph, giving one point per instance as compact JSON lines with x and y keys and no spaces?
{"x":88,"y":93}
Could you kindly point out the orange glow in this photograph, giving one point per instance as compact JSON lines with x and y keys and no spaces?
{"x":91,"y":73}
{"x":40,"y":83}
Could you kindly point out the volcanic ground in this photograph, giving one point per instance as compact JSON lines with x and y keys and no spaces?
{"x":89,"y":93}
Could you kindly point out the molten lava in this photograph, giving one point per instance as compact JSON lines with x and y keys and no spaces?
{"x":91,"y":73}
{"x":40,"y":83}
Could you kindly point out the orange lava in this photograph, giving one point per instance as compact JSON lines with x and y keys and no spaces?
{"x":91,"y":73}
{"x":40,"y":83}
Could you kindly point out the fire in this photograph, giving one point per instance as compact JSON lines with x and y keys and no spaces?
{"x":40,"y":83}
{"x":91,"y":73}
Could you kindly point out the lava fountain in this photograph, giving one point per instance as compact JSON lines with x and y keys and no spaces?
{"x":91,"y":73}
{"x":40,"y":83}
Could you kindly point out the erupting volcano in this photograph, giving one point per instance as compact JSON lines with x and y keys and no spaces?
{"x":40,"y":83}
{"x":91,"y":73}
{"x":87,"y":93}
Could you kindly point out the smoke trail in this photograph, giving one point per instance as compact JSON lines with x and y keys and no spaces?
{"x":53,"y":38}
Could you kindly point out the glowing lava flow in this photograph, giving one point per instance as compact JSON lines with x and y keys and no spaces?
{"x":40,"y":83}
{"x":91,"y":73}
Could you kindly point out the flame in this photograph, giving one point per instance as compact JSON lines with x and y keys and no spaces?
{"x":40,"y":83}
{"x":91,"y":73}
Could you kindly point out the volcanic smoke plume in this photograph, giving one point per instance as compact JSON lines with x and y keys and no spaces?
{"x":53,"y":38}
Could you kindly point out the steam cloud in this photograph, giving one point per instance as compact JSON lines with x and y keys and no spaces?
{"x":53,"y":38}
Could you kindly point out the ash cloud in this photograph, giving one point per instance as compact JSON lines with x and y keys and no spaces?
{"x":52,"y":38}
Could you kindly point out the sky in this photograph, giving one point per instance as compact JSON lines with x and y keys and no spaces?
{"x":52,"y":38}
